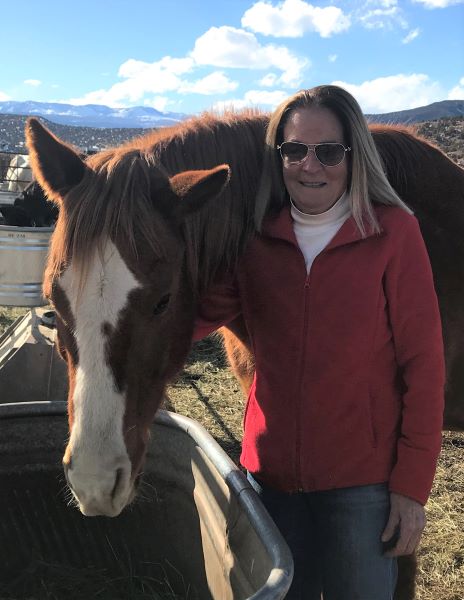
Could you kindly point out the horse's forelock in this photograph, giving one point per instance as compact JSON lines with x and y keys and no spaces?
{"x":112,"y":201}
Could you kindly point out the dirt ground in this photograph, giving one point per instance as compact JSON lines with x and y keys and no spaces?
{"x":206,"y":391}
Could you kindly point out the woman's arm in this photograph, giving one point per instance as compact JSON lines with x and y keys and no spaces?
{"x":417,"y":335}
{"x":217,"y":307}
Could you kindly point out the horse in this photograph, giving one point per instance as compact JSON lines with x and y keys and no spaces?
{"x":30,"y":209}
{"x":18,"y":174}
{"x":141,"y":234}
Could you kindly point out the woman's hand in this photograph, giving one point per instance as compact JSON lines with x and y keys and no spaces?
{"x":406,"y":522}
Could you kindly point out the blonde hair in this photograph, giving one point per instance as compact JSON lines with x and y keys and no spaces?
{"x":367,"y":182}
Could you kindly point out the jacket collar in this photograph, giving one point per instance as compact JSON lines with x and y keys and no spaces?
{"x":280,"y":226}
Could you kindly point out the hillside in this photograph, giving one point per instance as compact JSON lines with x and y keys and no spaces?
{"x":85,"y":138}
{"x":437,"y":110}
{"x":447,"y":133}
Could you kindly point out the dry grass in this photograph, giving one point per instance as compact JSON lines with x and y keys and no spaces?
{"x":207,"y":391}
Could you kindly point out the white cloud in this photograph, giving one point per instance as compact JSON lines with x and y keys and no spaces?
{"x":141,"y":79}
{"x":32,"y":82}
{"x":438,"y":3}
{"x":225,"y":47}
{"x":457,"y":93}
{"x":381,"y":14}
{"x":253,"y":99}
{"x":333,"y":57}
{"x":294,"y":18}
{"x":396,"y":92}
{"x":160,"y":103}
{"x":228,"y":47}
{"x":236,"y":48}
{"x":167,"y":65}
{"x":214,"y":83}
{"x":412,"y":35}
{"x":268,"y":80}
{"x":4,"y":97}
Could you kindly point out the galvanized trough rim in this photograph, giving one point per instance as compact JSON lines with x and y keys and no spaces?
{"x":281,"y":575}
{"x":27,"y":229}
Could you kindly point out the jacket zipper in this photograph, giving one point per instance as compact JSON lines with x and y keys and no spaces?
{"x":299,"y":424}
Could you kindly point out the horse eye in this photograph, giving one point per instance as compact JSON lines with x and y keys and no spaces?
{"x":162,"y":305}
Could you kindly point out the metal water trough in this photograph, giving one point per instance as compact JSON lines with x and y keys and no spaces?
{"x":198,"y":514}
{"x":30,"y":367}
{"x":23,"y":253}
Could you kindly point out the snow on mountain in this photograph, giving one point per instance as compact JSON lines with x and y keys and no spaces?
{"x":93,"y":115}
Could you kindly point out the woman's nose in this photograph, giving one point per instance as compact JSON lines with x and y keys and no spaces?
{"x":311,"y":163}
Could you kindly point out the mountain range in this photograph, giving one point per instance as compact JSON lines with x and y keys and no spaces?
{"x":431,"y":112}
{"x":99,"y":116}
{"x":93,"y":115}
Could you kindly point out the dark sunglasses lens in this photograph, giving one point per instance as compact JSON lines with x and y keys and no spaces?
{"x":330,"y":154}
{"x":293,"y":151}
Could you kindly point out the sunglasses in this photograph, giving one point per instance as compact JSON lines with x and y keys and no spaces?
{"x":329,"y":154}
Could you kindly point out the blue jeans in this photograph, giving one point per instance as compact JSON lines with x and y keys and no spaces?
{"x":334,"y":537}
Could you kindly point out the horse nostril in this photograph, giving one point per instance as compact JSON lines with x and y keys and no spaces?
{"x":116,"y":482}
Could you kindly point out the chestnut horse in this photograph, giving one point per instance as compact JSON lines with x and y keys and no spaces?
{"x":140,"y":235}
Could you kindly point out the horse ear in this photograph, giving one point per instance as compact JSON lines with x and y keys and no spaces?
{"x":55,"y":165}
{"x":194,"y":188}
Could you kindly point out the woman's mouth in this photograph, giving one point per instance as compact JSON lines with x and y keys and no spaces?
{"x":313,"y":184}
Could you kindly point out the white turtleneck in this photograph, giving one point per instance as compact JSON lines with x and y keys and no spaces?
{"x":314,"y":232}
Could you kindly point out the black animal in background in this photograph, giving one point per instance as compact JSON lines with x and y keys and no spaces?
{"x":30,"y":209}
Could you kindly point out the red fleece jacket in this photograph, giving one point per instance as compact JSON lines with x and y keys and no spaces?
{"x":349,"y":359}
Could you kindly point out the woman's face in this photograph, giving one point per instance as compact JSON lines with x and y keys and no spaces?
{"x":313,"y":187}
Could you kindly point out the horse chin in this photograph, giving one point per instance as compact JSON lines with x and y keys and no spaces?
{"x":112,"y":509}
{"x":89,"y":511}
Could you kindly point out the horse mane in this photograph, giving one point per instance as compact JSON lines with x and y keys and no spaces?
{"x":217,"y":234}
{"x":114,"y":197}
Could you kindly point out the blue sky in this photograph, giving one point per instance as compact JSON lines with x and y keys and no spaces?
{"x":189,"y":56}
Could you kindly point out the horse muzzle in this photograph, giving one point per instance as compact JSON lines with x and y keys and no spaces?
{"x":101,"y":492}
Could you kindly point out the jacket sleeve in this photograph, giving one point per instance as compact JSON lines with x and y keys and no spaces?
{"x":217,"y":307}
{"x":417,"y":336}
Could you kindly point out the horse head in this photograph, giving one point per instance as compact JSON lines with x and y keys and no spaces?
{"x":116,"y":277}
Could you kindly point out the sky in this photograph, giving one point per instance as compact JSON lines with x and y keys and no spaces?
{"x":190,"y":56}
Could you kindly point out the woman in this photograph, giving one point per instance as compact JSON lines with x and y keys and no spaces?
{"x":343,"y":421}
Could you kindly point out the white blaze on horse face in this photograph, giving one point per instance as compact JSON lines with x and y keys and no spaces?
{"x":100,"y":469}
